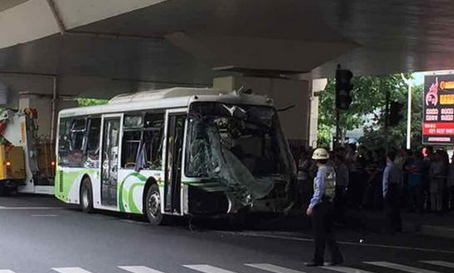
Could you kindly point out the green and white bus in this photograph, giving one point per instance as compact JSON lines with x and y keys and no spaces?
{"x":179,"y":151}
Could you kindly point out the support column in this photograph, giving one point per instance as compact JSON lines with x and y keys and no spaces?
{"x":46,"y":122}
{"x":318,"y":86}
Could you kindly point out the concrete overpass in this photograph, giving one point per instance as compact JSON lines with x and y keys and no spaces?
{"x":55,"y":49}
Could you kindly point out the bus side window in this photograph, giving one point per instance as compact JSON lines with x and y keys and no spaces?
{"x":92,"y":147}
{"x":131,"y":143}
{"x":153,"y":140}
{"x":77,"y":141}
{"x":132,"y":137}
{"x":64,"y":141}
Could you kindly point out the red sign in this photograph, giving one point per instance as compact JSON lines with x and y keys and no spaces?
{"x":438,"y":115}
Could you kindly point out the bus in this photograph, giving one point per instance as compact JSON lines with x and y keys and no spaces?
{"x":179,"y":151}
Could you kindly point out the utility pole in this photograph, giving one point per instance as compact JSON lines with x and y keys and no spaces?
{"x":409,"y":101}
{"x":385,"y":131}
{"x":338,"y":129}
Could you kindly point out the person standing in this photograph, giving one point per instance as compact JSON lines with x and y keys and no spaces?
{"x":391,"y":184}
{"x":415,"y":182}
{"x":342,"y":178}
{"x":321,"y":211}
{"x":450,"y":185}
{"x":437,"y":173}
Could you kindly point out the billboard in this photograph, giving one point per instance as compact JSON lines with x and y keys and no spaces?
{"x":438,"y":110}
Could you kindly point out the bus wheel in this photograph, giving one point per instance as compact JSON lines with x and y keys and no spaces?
{"x":153,"y":206}
{"x":86,"y":196}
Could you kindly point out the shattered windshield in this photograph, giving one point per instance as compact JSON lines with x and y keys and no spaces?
{"x":241,"y":144}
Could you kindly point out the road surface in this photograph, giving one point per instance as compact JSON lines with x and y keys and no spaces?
{"x":40,"y":234}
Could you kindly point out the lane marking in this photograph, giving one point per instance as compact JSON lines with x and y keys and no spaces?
{"x":401,"y":267}
{"x":31,"y":208}
{"x":207,"y":268}
{"x":440,"y":263}
{"x":44,"y":215}
{"x":299,"y":239}
{"x":6,"y":271}
{"x":70,"y":270}
{"x":273,"y":268}
{"x":345,"y":269}
{"x":139,"y":269}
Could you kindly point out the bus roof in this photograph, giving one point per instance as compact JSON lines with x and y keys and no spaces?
{"x":165,"y":99}
{"x":165,"y":94}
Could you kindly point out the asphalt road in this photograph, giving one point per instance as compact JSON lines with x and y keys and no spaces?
{"x":40,"y":234}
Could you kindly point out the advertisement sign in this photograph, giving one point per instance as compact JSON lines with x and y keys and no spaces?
{"x":438,"y":110}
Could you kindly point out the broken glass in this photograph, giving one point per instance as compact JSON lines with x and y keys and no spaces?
{"x":241,"y":146}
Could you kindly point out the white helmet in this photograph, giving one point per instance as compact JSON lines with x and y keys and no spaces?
{"x":320,"y":154}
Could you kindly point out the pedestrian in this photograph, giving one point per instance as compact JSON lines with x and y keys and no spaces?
{"x":450,"y":185}
{"x":415,"y":182}
{"x":321,"y":211}
{"x":342,"y":179}
{"x":427,"y":161}
{"x":437,"y":173}
{"x":391,"y":194}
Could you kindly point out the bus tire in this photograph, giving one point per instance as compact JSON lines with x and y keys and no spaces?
{"x":153,"y":206}
{"x":86,"y":196}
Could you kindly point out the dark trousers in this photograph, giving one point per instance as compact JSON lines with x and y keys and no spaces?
{"x":451,"y":198}
{"x":392,"y":208}
{"x":339,"y":204}
{"x":322,"y":224}
{"x":415,"y":198}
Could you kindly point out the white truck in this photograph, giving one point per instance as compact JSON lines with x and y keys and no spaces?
{"x":27,"y":162}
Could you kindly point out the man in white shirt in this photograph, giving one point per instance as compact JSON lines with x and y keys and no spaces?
{"x":391,"y":193}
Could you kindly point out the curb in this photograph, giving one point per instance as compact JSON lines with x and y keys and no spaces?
{"x":437,"y":231}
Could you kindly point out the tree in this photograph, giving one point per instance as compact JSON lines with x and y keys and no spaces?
{"x":90,"y":102}
{"x":367,"y":108}
{"x":374,"y":138}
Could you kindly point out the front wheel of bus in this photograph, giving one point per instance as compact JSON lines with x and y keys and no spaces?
{"x":153,"y":206}
{"x":86,"y":196}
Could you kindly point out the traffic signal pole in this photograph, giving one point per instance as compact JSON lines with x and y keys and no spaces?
{"x":343,"y":99}
{"x":338,"y":129}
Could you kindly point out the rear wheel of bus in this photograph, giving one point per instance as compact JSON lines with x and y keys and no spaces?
{"x":153,"y":206}
{"x":86,"y":196}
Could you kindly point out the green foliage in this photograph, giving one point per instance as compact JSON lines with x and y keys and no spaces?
{"x":367,"y":109}
{"x":90,"y":102}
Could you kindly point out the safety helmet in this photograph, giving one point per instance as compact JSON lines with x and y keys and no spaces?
{"x":320,"y":154}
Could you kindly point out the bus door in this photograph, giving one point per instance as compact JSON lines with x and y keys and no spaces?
{"x":109,"y":158}
{"x":173,"y":161}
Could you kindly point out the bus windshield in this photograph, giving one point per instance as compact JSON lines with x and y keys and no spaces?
{"x":241,"y":144}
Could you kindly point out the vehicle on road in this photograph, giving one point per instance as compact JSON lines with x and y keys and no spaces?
{"x":27,"y":161}
{"x":179,"y":151}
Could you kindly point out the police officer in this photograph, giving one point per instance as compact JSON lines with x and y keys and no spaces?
{"x":321,"y":211}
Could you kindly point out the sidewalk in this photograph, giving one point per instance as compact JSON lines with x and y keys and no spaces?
{"x":429,"y":224}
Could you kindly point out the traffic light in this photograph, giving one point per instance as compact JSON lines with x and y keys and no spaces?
{"x":395,"y":113}
{"x":343,"y":88}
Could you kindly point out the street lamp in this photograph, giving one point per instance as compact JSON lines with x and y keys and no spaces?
{"x":409,"y":84}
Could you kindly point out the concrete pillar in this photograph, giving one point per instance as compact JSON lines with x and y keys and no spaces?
{"x":317,"y":86}
{"x":285,"y":93}
{"x":42,"y":103}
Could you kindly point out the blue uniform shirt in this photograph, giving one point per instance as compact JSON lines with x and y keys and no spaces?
{"x":324,"y":182}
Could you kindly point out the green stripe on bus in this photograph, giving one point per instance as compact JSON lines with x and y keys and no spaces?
{"x":131,"y":204}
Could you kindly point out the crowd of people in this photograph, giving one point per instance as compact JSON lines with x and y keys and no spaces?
{"x":426,"y":178}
